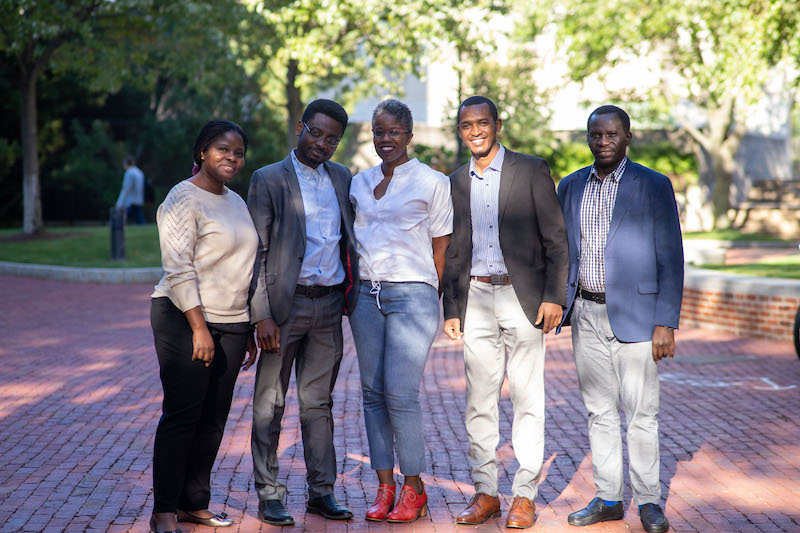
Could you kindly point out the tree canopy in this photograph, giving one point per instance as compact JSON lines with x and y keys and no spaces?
{"x":714,"y":54}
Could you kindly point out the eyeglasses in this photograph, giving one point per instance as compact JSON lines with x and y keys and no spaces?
{"x":331,"y":141}
{"x":378,"y":133}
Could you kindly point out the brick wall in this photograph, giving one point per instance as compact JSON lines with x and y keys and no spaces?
{"x":744,"y":306}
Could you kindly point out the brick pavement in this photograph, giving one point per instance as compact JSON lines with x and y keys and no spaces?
{"x":81,"y":398}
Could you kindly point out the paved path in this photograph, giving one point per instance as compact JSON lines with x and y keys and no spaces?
{"x":80,"y":398}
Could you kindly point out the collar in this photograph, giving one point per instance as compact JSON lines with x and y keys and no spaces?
{"x":496,"y":164}
{"x":616,"y":175}
{"x":304,"y":170}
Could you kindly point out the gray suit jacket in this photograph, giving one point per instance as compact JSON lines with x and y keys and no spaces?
{"x":276,"y":206}
{"x":532,"y":237}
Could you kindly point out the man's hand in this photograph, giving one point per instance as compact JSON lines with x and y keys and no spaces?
{"x":251,"y":351}
{"x":452,"y":326}
{"x":663,"y":343}
{"x":268,"y":335}
{"x":549,"y":316}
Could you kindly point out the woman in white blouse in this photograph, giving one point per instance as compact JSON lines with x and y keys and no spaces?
{"x":404,"y":218}
{"x":201,"y":324}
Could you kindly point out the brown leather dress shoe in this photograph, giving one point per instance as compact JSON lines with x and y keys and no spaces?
{"x":481,"y":508}
{"x":521,"y":514}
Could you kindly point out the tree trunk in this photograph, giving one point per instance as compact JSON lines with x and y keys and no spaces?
{"x":32,"y":199}
{"x":294,"y":106}
{"x":723,"y":165}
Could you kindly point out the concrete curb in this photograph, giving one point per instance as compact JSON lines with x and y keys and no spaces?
{"x":713,"y":280}
{"x":90,"y":275}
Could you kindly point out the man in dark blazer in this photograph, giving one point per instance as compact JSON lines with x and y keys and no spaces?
{"x":623,"y":302}
{"x":307,"y":272}
{"x":504,"y":281}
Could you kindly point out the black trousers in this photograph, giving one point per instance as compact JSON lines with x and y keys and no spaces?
{"x":196,"y":403}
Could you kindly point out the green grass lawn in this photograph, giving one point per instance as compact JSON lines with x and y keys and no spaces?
{"x":730,"y":235}
{"x":784,"y":267}
{"x":82,"y":246}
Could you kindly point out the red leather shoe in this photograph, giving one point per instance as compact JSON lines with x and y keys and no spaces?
{"x":410,"y":505}
{"x":383,"y":504}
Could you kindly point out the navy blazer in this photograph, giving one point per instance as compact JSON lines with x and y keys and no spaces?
{"x":276,"y":206}
{"x":643,"y":256}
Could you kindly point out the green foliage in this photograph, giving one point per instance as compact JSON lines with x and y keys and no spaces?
{"x":437,"y":157}
{"x":567,"y":157}
{"x":90,"y":168}
{"x":667,"y":158}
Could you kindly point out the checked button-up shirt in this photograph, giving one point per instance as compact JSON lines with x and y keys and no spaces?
{"x":597,"y":206}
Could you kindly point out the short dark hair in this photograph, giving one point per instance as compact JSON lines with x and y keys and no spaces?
{"x":478,"y":100}
{"x":210,"y":132}
{"x":612,"y":110}
{"x":326,"y":107}
{"x":129,"y":161}
{"x":398,"y":110}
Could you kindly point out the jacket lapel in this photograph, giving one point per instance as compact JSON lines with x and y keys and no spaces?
{"x":507,"y":175}
{"x":576,"y":199}
{"x":296,"y":197}
{"x":342,"y":194}
{"x":628,"y":185}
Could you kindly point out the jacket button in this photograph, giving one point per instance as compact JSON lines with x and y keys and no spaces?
{"x":300,"y":259}
{"x":572,"y":284}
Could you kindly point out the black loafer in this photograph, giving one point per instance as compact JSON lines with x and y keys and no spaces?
{"x":327,"y":507}
{"x":218,"y":520}
{"x":274,"y":513}
{"x":653,"y":519}
{"x":596,"y":511}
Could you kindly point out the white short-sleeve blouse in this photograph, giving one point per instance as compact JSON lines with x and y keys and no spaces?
{"x":393,"y":234}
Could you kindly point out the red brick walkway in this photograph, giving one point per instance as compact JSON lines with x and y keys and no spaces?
{"x":80,"y":399}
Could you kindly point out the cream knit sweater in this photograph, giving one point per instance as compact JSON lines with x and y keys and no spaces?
{"x":208,"y":252}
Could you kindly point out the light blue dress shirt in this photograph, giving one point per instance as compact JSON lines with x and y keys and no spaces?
{"x":487,"y":258}
{"x":322,"y":263}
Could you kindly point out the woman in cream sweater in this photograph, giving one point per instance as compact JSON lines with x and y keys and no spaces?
{"x":201,"y":324}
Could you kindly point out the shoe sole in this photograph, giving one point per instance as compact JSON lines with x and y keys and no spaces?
{"x":475,"y":523}
{"x":515,"y":526}
{"x":328,"y":516}
{"x":278,"y":522}
{"x":609,"y":519}
{"x":656,"y":529}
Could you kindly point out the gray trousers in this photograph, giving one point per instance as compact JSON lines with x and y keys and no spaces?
{"x":495,"y":328}
{"x":312,"y":340}
{"x":607,"y":370}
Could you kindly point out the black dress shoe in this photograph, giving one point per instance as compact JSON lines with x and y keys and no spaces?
{"x":596,"y":511}
{"x":274,"y":513}
{"x":653,"y":519}
{"x":328,"y":507}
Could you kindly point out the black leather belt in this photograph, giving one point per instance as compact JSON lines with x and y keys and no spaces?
{"x":316,"y":291}
{"x":596,"y":297}
{"x":494,"y":279}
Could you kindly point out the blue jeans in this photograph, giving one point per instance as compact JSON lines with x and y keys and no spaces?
{"x":392,"y":344}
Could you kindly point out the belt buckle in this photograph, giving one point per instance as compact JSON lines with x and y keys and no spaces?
{"x":497,"y":279}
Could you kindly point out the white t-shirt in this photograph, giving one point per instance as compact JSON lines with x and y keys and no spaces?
{"x":208,"y":252}
{"x":393,"y":234}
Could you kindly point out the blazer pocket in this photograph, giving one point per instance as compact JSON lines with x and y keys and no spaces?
{"x":269,"y":279}
{"x":648,"y":287}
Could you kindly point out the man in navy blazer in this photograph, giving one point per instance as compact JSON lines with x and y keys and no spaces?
{"x":624,"y":292}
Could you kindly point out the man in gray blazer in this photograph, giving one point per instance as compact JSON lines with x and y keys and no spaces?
{"x":307,"y":271}
{"x":624,"y":301}
{"x":503,"y":283}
